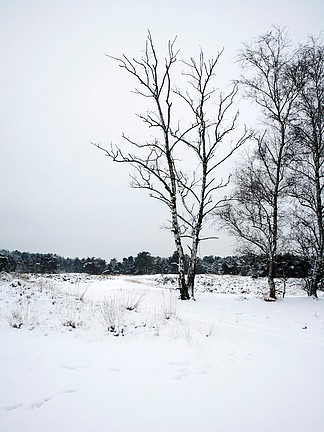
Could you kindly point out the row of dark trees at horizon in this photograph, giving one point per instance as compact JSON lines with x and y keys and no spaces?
{"x":144,"y":263}
{"x":276,"y":200}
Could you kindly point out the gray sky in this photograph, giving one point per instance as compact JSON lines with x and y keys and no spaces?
{"x":59,"y":92}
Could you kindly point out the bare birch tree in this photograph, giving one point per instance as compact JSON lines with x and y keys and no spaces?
{"x":256,"y":212}
{"x":189,"y":194}
{"x":308,"y":169}
{"x":212,"y":131}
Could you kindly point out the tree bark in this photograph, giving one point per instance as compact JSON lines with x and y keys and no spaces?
{"x":316,"y":277}
{"x":271,"y":275}
{"x":192,"y":274}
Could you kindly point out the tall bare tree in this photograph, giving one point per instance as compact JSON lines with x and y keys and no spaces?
{"x":308,"y":169}
{"x":256,"y":212}
{"x":214,"y":124}
{"x":187,"y":192}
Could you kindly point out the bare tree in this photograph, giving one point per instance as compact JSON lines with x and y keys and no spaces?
{"x":255,"y":215}
{"x":188,"y":193}
{"x":308,"y":169}
{"x":212,"y":131}
{"x":255,"y":212}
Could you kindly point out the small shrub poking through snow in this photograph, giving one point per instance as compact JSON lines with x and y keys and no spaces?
{"x":111,"y":314}
{"x":22,"y":310}
{"x":81,"y":291}
{"x":169,"y":305}
{"x":132,"y":300}
{"x":17,"y":317}
{"x":70,"y":314}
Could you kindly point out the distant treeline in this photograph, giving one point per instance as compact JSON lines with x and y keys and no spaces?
{"x":288,"y":265}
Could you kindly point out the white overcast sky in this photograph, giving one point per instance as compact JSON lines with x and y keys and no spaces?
{"x":59,"y":92}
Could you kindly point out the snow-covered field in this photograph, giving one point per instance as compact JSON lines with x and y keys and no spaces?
{"x":108,"y":354}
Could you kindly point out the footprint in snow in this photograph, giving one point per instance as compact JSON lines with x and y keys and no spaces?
{"x":180,"y":363}
{"x":185,"y":374}
{"x":180,"y":376}
{"x":184,"y":370}
{"x":74,"y":367}
{"x":12,"y":407}
{"x":41,"y":402}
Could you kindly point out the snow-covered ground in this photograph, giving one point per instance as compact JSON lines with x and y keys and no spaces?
{"x":119,"y":354}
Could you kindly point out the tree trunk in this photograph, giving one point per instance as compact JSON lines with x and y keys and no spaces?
{"x":193,"y":261}
{"x":274,"y":228}
{"x":316,"y":277}
{"x":198,"y":224}
{"x":184,"y":294}
{"x":183,"y":287}
{"x":191,"y":279}
{"x":273,"y":254}
{"x":317,"y":271}
{"x":271,"y":282}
